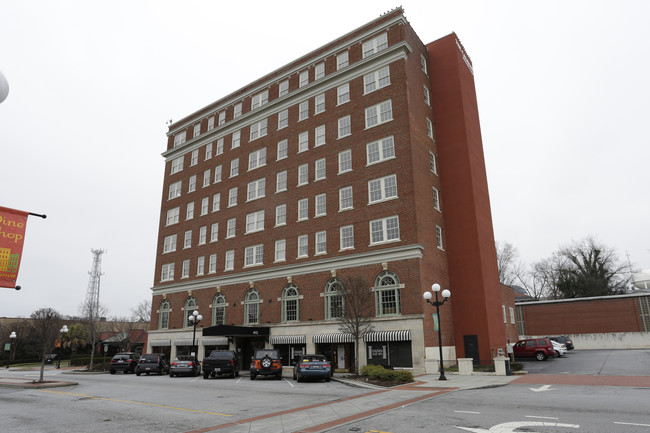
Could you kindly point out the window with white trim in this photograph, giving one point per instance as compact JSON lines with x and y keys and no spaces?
{"x":236,"y":112}
{"x":378,"y":114}
{"x":200,"y":266}
{"x":205,"y":205}
{"x":290,"y":304}
{"x":345,"y":198}
{"x":384,"y":230}
{"x":254,"y":255}
{"x":280,"y":250}
{"x":303,"y":246}
{"x":189,"y":211}
{"x":257,"y":159}
{"x":169,"y":245}
{"x":320,"y":208}
{"x":334,"y":300}
{"x":172,"y":216}
{"x":206,"y":178}
{"x":185,"y":270}
{"x":303,"y":174}
{"x":430,"y":129}
{"x":174,"y":190}
{"x":512,"y":315}
{"x":319,"y":71}
{"x":197,"y":130}
{"x":283,"y":149}
{"x":427,"y":96}
{"x":177,"y":165}
{"x":214,"y":232}
{"x":212,"y":264}
{"x":217,"y":173}
{"x":230,"y":260}
{"x":303,"y":209}
{"x":343,"y":93}
{"x":231,"y":225}
{"x":208,"y":151}
{"x":387,"y":294}
{"x":303,"y":78}
{"x":321,"y":242}
{"x":179,"y":138}
{"x":384,"y":188}
{"x":380,"y":150}
{"x":163,"y":315}
{"x":303,"y":110}
{"x":258,"y":129}
{"x":281,"y":181}
{"x":303,"y":141}
{"x":187,"y":240}
{"x":222,"y":117}
{"x":259,"y":99}
{"x":423,"y":63}
{"x":283,"y":88}
{"x":210,"y":123}
{"x":433,"y":166}
{"x":376,"y":80}
{"x":347,"y":237}
{"x":256,"y":189}
{"x":280,"y":215}
{"x":192,"y":185}
{"x":220,"y":146}
{"x":194,"y":159}
{"x":234,"y":167}
{"x":319,"y":103}
{"x":167,"y":273}
{"x":375,"y":45}
{"x":319,"y":136}
{"x":252,"y":303}
{"x":319,"y":169}
{"x":283,"y":119}
{"x":236,"y":139}
{"x":219,"y":309}
{"x":439,"y":243}
{"x":232,"y":197}
{"x":342,"y":60}
{"x":203,"y":235}
{"x":436,"y":198}
{"x":216,"y":202}
{"x":255,"y":222}
{"x":344,"y":127}
{"x":345,"y":161}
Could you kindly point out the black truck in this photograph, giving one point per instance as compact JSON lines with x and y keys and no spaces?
{"x":221,"y":362}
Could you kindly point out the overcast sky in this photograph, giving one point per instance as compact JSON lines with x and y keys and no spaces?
{"x":562,"y":88}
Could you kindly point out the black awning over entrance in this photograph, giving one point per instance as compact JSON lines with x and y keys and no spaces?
{"x":236,"y":331}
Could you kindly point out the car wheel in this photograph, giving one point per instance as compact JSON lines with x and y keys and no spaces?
{"x":294,"y":376}
{"x":126,"y":371}
{"x":137,"y":374}
{"x":112,"y":372}
{"x":252,"y":377}
{"x":171,"y":374}
{"x":279,"y":376}
{"x":327,"y":378}
{"x":299,"y":378}
{"x":541,"y":356}
{"x":206,"y":374}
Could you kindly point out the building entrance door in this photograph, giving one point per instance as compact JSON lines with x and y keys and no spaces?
{"x":471,"y":347}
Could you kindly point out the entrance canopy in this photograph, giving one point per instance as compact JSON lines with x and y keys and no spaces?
{"x":236,"y":331}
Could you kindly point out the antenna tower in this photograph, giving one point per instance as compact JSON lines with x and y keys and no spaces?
{"x":92,"y":299}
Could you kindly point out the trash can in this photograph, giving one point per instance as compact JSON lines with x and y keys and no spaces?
{"x":508,"y":368}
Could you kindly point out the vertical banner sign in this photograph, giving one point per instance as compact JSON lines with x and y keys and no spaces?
{"x":12,"y":235}
{"x":436,"y":323}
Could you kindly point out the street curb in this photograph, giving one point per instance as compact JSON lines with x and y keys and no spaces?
{"x":36,"y":385}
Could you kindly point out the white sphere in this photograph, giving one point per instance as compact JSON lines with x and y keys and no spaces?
{"x":4,"y":87}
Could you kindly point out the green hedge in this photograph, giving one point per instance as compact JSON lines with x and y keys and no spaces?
{"x":377,"y":372}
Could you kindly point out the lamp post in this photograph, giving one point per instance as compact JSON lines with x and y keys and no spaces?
{"x":427,"y":296}
{"x":63,"y":331}
{"x":12,"y":336}
{"x":195,"y":318}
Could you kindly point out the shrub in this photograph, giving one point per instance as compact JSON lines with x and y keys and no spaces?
{"x":377,"y":372}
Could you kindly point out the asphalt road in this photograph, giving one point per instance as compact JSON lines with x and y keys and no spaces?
{"x":593,"y":362}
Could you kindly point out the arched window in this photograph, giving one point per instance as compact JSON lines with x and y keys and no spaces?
{"x":334,"y":301}
{"x":219,"y":310}
{"x":163,"y":315}
{"x":387,"y":294}
{"x":290,"y":303}
{"x":252,"y":307}
{"x":190,"y":306}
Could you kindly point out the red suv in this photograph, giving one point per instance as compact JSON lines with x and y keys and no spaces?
{"x":540,"y":348}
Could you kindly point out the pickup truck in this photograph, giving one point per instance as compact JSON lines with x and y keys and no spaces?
{"x":266,"y":362}
{"x":220,"y":362}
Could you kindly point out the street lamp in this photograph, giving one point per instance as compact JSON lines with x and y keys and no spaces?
{"x":12,"y":336}
{"x":63,"y":331}
{"x":427,"y":296}
{"x":195,"y":318}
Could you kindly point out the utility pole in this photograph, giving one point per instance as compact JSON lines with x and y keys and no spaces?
{"x":92,"y":299}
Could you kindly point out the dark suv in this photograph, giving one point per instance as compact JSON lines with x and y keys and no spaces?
{"x":266,"y":362}
{"x":124,"y":361}
{"x":152,"y":363}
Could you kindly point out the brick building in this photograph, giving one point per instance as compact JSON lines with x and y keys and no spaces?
{"x":363,"y":158}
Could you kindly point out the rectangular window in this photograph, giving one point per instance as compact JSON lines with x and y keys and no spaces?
{"x":185,"y":272}
{"x":254,"y":255}
{"x":167,"y":272}
{"x":347,"y":237}
{"x":512,"y":315}
{"x":345,"y":161}
{"x":436,"y":199}
{"x":384,"y":230}
{"x":283,"y":88}
{"x":283,"y":119}
{"x":319,"y":103}
{"x":345,"y":198}
{"x":192,"y":185}
{"x":231,"y":225}
{"x":303,"y":78}
{"x":427,"y":96}
{"x":172,"y":216}
{"x":234,"y":167}
{"x":376,"y":80}
{"x":236,"y":139}
{"x":216,"y":202}
{"x":320,"y":205}
{"x":214,"y":232}
{"x":236,"y":112}
{"x":378,"y":114}
{"x":343,"y":93}
{"x":430,"y":129}
{"x":210,"y":123}
{"x":206,"y":178}
{"x":232,"y":197}
{"x":319,"y":169}
{"x":258,"y":129}
{"x":212,"y":266}
{"x":255,"y":222}
{"x":187,"y":240}
{"x":375,"y":45}
{"x":174,"y":190}
{"x":197,"y":130}
{"x":303,"y":141}
{"x":205,"y":205}
{"x":382,"y":189}
{"x":259,"y":99}
{"x":321,"y":242}
{"x":432,"y":163}
{"x":319,"y":134}
{"x":423,"y":63}
{"x":230,"y":260}
{"x":217,"y":174}
{"x":256,"y":189}
{"x":319,"y":71}
{"x":177,"y":165}
{"x":303,"y":246}
{"x":222,"y":118}
{"x":344,"y":127}
{"x":281,"y":215}
{"x":208,"y":151}
{"x":169,"y":245}
{"x":194,"y":158}
{"x":342,"y":60}
{"x":220,"y":146}
{"x":257,"y":159}
{"x":189,"y":211}
{"x":303,"y":209}
{"x":283,"y":149}
{"x":179,"y":138}
{"x":303,"y":110}
{"x":303,"y":174}
{"x":439,"y":237}
{"x":280,"y":250}
{"x":281,"y":181}
{"x":203,"y":235}
{"x":381,"y":150}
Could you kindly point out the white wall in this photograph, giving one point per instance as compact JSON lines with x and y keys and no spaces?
{"x":614,"y":340}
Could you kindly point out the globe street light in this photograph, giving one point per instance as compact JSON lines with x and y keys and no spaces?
{"x":195,"y":318}
{"x":427,"y":296}
{"x":12,"y":336}
{"x":63,"y":331}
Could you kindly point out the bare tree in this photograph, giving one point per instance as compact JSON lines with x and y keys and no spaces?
{"x":358,"y":310}
{"x":46,"y":323}
{"x":510,"y":270}
{"x":142,"y":312}
{"x":92,"y":315}
{"x":122,"y":326}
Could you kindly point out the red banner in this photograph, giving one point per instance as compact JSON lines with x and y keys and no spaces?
{"x":12,"y":235}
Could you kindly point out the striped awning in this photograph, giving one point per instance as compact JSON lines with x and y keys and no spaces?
{"x":372,"y":337}
{"x":287,"y":339}
{"x":159,"y":343}
{"x":333,"y":338}
{"x":215,"y":341}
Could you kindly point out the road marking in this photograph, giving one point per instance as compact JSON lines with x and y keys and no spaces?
{"x":631,"y":423}
{"x":510,"y":427}
{"x":467,"y":411}
{"x":542,"y":388}
{"x":133,"y":402}
{"x":540,"y":417}
{"x":287,"y":380}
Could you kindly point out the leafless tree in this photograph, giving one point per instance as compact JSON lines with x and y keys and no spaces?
{"x":510,"y":269}
{"x":122,"y":326}
{"x":142,"y":312}
{"x":92,"y":316}
{"x":358,"y":310}
{"x":46,"y":323}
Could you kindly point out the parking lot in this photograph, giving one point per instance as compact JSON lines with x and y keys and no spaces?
{"x":593,"y":362}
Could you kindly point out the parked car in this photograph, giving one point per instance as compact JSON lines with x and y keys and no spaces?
{"x":124,"y":361}
{"x":540,"y":348}
{"x":312,"y":367}
{"x":560,"y":349}
{"x":185,"y":364}
{"x":564,"y":340}
{"x":50,"y":358}
{"x":152,"y":363}
{"x":266,"y":362}
{"x":221,"y":362}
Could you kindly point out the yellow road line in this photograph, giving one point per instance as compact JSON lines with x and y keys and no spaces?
{"x":133,"y":402}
